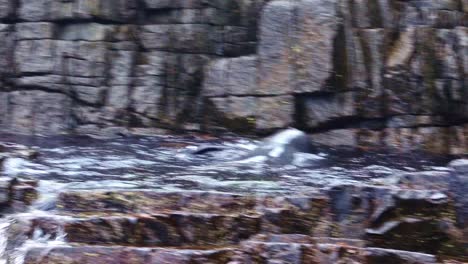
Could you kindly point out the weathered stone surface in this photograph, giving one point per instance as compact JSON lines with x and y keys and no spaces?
{"x":7,"y":9}
{"x":312,"y":45}
{"x":433,"y":139}
{"x":167,"y":230}
{"x":402,"y":216}
{"x":41,"y":30}
{"x":321,"y":109}
{"x":4,"y":109}
{"x":34,"y":56}
{"x":235,"y":113}
{"x":45,"y":10}
{"x":378,"y":255}
{"x":88,"y":255}
{"x":276,"y":72}
{"x":86,"y":32}
{"x":38,"y":112}
{"x":231,"y":77}
{"x":302,"y":228}
{"x":371,"y":96}
{"x":295,"y":50}
{"x":7,"y":42}
{"x":458,"y":186}
{"x":252,"y":252}
{"x":16,"y":195}
{"x":339,"y":137}
{"x":303,"y":249}
{"x":149,"y":64}
{"x":274,"y":112}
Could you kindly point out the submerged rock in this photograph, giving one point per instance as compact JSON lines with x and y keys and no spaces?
{"x":16,"y":195}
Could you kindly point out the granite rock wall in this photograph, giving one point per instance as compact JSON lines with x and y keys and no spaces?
{"x":358,"y":73}
{"x":83,"y":66}
{"x":354,"y":72}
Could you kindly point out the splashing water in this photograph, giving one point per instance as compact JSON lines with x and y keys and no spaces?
{"x":38,"y":239}
{"x":4,"y":225}
{"x":167,"y":164}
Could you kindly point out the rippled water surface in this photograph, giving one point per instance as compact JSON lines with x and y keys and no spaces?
{"x":167,"y":163}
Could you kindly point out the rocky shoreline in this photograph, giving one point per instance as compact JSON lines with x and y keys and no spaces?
{"x":417,"y":217}
{"x":422,"y":220}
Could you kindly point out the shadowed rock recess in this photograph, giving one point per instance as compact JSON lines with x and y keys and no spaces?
{"x":361,"y":73}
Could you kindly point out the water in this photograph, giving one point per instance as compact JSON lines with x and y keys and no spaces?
{"x":15,"y":254}
{"x":166,"y":163}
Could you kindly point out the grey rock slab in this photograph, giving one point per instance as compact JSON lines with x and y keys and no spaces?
{"x":276,"y":72}
{"x":40,"y":30}
{"x":274,"y":112}
{"x":313,"y":44}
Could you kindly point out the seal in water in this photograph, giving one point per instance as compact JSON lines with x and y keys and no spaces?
{"x":207,"y":148}
{"x":286,"y":147}
{"x":282,"y":147}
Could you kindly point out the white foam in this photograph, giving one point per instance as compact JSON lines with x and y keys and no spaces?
{"x":255,"y":159}
{"x":285,"y":136}
{"x":276,"y":152}
{"x":301,"y":159}
{"x":13,"y":166}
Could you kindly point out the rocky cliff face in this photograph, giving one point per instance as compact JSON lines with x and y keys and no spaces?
{"x":357,"y":72}
{"x":77,"y":66}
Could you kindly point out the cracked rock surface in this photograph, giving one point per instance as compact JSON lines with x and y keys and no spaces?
{"x":376,"y":73}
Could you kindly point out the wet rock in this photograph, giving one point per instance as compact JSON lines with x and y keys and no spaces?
{"x":5,"y":186}
{"x":380,"y":210}
{"x":423,"y":235}
{"x":16,"y":195}
{"x":378,"y":255}
{"x":437,"y":180}
{"x":272,"y":214}
{"x":90,"y":255}
{"x":336,"y":253}
{"x":276,"y":252}
{"x":145,"y":202}
{"x":299,"y":249}
{"x":307,"y":228}
{"x":142,"y":230}
{"x":23,"y":195}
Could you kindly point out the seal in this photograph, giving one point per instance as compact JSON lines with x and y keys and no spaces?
{"x":281,"y":147}
{"x":290,"y":146}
